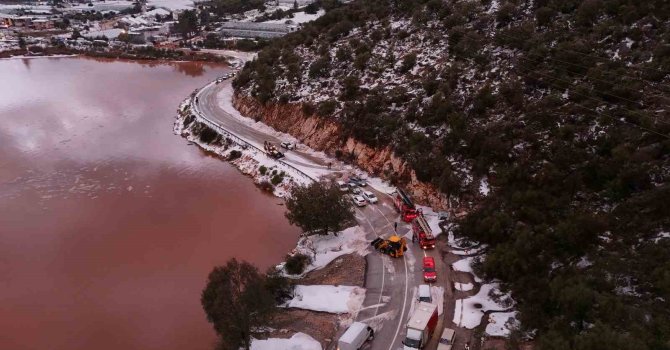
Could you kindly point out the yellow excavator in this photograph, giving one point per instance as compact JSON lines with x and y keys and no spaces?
{"x":395,"y":246}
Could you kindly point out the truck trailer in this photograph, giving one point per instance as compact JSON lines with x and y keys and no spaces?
{"x":420,"y":326}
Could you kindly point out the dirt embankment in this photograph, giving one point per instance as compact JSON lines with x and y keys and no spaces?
{"x":348,"y":270}
{"x":325,"y":135}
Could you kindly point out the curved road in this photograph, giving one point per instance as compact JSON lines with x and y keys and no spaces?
{"x":391,"y":283}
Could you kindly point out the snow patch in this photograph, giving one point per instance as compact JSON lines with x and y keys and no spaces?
{"x":324,"y":249}
{"x":469,"y":312}
{"x":465,"y":265}
{"x":501,"y":324}
{"x":299,"y":341}
{"x":333,"y":299}
{"x":463,"y":287}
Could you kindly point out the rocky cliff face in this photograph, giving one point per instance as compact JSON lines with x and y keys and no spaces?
{"x":325,"y":135}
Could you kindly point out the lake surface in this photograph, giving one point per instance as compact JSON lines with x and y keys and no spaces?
{"x":110,"y":223}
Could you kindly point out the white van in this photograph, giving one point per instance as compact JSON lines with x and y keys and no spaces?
{"x":355,"y":336}
{"x":446,"y":340}
{"x":424,"y":293}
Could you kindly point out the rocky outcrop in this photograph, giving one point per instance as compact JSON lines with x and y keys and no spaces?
{"x":325,"y":135}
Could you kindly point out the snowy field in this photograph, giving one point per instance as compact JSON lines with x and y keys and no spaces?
{"x":325,"y":298}
{"x":299,"y":341}
{"x":299,"y":17}
{"x":172,"y":5}
{"x":501,"y":323}
{"x":324,"y":249}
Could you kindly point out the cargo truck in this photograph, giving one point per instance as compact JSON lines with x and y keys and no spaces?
{"x":420,"y":326}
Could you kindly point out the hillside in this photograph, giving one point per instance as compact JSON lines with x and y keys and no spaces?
{"x":548,"y":119}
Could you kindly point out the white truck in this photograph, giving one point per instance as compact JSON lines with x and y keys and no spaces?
{"x":355,"y":336}
{"x":420,"y":326}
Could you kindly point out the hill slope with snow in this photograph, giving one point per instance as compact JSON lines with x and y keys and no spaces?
{"x":548,"y":119}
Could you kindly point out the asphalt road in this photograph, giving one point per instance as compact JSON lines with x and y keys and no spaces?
{"x":391,"y":283}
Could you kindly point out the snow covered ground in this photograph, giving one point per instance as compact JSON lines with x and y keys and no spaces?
{"x":299,"y":17}
{"x":299,"y":341}
{"x":465,"y":265}
{"x":469,"y":312}
{"x":324,"y":249}
{"x":501,"y":323}
{"x":325,"y":298}
{"x":172,"y":5}
{"x":464,"y":287}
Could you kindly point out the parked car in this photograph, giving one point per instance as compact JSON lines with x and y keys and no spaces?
{"x":288,"y":145}
{"x":357,"y":180}
{"x":358,"y":200}
{"x":357,"y":190}
{"x":429,"y":272}
{"x":342,"y":186}
{"x":355,"y":336}
{"x":370,"y":197}
{"x":446,"y":339}
{"x":424,"y":293}
{"x":352,"y":184}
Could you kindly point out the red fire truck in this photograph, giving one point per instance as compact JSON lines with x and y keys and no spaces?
{"x":405,"y":206}
{"x":422,"y":233}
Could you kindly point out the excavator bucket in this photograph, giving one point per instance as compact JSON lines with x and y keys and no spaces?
{"x":376,"y":242}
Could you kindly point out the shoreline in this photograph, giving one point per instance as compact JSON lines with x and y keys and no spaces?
{"x":57,"y":52}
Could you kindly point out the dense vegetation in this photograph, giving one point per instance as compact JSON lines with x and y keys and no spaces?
{"x":239,"y":300}
{"x":319,"y":208}
{"x":560,"y":105}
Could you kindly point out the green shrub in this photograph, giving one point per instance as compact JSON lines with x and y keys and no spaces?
{"x":277,"y":179}
{"x":208,"y":135}
{"x":234,"y":154}
{"x":266,"y":186}
{"x":295,"y":264}
{"x":262,"y":169}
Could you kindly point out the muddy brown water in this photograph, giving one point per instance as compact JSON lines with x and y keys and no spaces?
{"x":110,"y":223}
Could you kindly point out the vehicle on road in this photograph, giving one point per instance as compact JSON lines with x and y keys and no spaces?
{"x":358,"y":200}
{"x":288,"y":145}
{"x":446,"y":339}
{"x":370,"y":197}
{"x":355,"y":336}
{"x":420,"y":326}
{"x":358,"y":181}
{"x":424,"y":293}
{"x":429,"y":272}
{"x":271,"y":150}
{"x":405,"y":206}
{"x":357,"y":191}
{"x":395,"y":246}
{"x":352,"y":184}
{"x":342,"y":186}
{"x":422,"y":233}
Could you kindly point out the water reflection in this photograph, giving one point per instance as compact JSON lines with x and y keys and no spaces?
{"x":109,"y":223}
